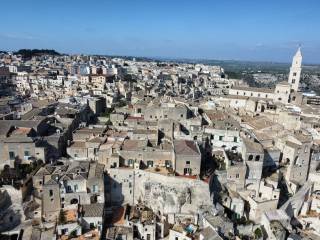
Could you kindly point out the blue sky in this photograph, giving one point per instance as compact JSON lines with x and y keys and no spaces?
{"x":267,"y":30}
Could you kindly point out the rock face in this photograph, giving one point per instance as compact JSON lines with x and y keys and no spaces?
{"x":11,"y":211}
{"x":171,"y":194}
{"x":161,"y":193}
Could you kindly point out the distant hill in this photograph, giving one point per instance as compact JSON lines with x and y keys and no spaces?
{"x":29,"y":53}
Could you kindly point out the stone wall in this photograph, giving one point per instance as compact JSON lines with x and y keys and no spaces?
{"x":161,"y":193}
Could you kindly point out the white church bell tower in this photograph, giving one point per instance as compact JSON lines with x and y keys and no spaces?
{"x":295,"y":71}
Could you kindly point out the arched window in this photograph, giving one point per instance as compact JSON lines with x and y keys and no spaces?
{"x":250,"y":158}
{"x":74,"y":201}
{"x":287,"y":160}
{"x":257,"y":157}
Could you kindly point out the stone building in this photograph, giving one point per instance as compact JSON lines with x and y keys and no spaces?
{"x":66,"y":186}
{"x":144,"y":154}
{"x":187,"y":157}
{"x":20,"y":142}
{"x":283,"y":90}
{"x":253,"y":155}
{"x":166,"y":111}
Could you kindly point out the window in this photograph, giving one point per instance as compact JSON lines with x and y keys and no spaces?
{"x":50,"y":193}
{"x":294,"y":74}
{"x":257,"y":157}
{"x":150,"y":163}
{"x":181,"y":115}
{"x":130,"y":162}
{"x":250,"y":157}
{"x":165,"y":116}
{"x":75,"y":187}
{"x":220,"y":138}
{"x":91,"y":225}
{"x":168,"y":163}
{"x":11,"y":155}
{"x":235,"y":139}
{"x":237,"y":175}
{"x":26,"y":153}
{"x":187,"y":171}
{"x":293,"y":80}
{"x":95,"y":188}
{"x":187,"y":162}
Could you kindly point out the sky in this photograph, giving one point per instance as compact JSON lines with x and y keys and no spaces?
{"x":254,"y":30}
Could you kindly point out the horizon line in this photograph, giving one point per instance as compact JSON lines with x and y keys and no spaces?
{"x":166,"y":58}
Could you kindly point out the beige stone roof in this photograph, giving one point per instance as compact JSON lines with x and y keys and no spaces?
{"x":292,"y":144}
{"x":303,"y":137}
{"x":130,"y":145}
{"x":252,"y":147}
{"x":144,"y":131}
{"x":186,"y":147}
{"x":254,"y":89}
{"x":216,"y":114}
{"x":78,"y":144}
{"x":260,"y":123}
{"x":236,"y":97}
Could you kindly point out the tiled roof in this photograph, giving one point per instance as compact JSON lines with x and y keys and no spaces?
{"x":93,"y":210}
{"x":186,"y":147}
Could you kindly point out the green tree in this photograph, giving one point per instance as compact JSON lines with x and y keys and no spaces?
{"x":258,"y":233}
